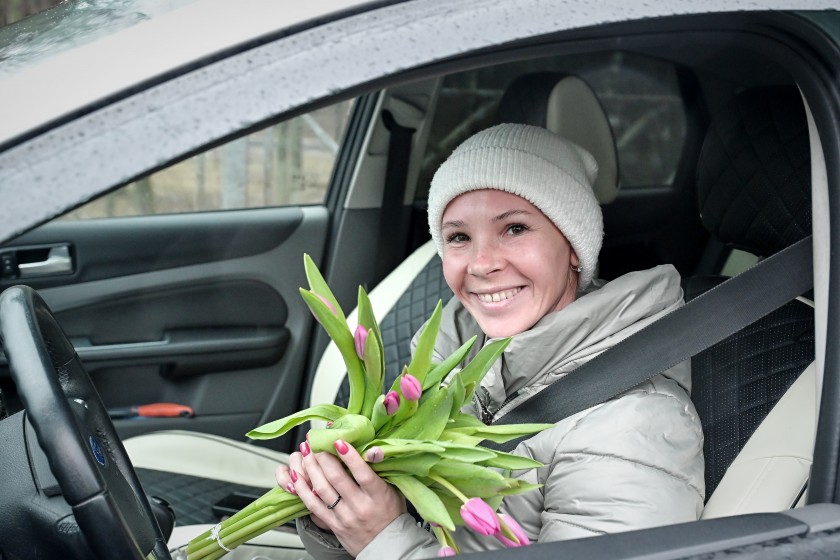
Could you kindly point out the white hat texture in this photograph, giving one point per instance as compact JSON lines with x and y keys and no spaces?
{"x":550,"y":172}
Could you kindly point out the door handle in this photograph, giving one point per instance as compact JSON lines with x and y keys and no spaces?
{"x":58,"y":261}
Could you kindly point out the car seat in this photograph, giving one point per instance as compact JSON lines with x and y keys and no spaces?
{"x":754,"y":194}
{"x":194,"y":471}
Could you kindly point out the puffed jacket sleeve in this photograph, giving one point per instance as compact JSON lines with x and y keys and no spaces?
{"x":320,"y":544}
{"x":631,"y":463}
{"x":402,"y":539}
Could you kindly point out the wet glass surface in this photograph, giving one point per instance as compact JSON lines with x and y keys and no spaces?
{"x":72,"y":24}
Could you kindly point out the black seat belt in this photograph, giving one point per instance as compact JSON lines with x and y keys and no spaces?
{"x":688,"y":330}
{"x":392,"y":229}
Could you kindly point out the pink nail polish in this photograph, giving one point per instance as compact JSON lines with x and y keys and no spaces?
{"x":293,"y":474}
{"x":341,"y":447}
{"x":290,"y":488}
{"x":304,"y":449}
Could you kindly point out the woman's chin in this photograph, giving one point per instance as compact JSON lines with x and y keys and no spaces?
{"x":501,"y":328}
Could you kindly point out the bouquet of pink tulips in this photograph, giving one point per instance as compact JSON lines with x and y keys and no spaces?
{"x":414,"y":436}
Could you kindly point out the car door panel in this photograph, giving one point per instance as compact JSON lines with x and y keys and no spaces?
{"x":179,"y":308}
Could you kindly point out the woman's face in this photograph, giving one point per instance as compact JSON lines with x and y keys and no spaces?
{"x":505,"y":261}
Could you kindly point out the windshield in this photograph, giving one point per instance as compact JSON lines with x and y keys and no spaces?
{"x":71,"y":24}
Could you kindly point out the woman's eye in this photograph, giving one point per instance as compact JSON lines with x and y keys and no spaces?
{"x":517,"y":229}
{"x":457,"y":238}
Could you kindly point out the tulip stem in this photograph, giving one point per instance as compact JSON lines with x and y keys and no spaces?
{"x":445,"y":483}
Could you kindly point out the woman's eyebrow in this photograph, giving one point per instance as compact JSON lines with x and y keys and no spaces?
{"x":452,"y":224}
{"x":505,"y":215}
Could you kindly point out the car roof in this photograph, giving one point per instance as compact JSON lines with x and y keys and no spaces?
{"x":145,"y":108}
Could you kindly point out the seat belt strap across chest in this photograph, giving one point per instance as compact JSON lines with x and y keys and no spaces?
{"x":688,"y":330}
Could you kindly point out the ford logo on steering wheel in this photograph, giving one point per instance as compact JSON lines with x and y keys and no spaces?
{"x":98,"y":454}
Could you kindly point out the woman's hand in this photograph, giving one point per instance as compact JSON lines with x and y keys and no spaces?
{"x":355,"y":508}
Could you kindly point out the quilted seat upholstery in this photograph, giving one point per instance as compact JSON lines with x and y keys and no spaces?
{"x":754,"y":194}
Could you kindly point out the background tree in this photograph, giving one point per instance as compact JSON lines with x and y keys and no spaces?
{"x":14,"y":10}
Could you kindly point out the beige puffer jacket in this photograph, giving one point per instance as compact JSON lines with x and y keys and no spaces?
{"x":632,"y":462}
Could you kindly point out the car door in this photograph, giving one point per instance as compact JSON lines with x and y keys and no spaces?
{"x":184,"y":284}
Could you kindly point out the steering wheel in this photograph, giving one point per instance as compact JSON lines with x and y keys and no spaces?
{"x":76,"y":434}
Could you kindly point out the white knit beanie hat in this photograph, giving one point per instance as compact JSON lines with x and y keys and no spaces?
{"x":550,"y":172}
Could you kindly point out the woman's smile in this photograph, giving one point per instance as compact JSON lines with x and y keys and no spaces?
{"x":498,"y":296}
{"x":506,"y":261}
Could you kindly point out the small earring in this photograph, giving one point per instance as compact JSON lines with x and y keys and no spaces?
{"x":577,"y":268}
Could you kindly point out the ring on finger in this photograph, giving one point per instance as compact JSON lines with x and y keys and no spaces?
{"x":335,"y":503}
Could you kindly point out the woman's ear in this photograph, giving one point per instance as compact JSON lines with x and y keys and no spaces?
{"x":574,"y":261}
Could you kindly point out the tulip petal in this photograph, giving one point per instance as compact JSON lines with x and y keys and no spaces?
{"x":480,"y":517}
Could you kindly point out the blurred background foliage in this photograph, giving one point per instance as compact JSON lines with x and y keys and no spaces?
{"x":14,"y":10}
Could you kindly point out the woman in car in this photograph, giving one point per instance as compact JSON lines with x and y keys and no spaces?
{"x":519,"y":230}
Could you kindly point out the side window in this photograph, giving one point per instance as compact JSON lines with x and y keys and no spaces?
{"x":640,"y":95}
{"x":642,"y":100}
{"x":289,"y":163}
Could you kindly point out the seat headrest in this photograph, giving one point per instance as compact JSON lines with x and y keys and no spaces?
{"x":754,"y":171}
{"x":567,"y":106}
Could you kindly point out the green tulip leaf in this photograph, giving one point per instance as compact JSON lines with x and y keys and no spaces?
{"x":474,"y":372}
{"x":506,"y":532}
{"x":342,"y":337}
{"x":379,"y":415}
{"x":417,"y":465}
{"x":326,"y":412}
{"x":422,"y":359}
{"x":511,"y":462}
{"x":427,"y":502}
{"x":503,"y":432}
{"x":461,"y":420}
{"x":452,"y":504}
{"x":373,"y":373}
{"x":519,"y":489}
{"x":439,"y":371}
{"x":318,"y":285}
{"x":429,"y":420}
{"x":466,"y":453}
{"x":460,"y":438}
{"x":477,"y":488}
{"x":449,"y":469}
{"x":397,"y":447}
{"x":355,"y":429}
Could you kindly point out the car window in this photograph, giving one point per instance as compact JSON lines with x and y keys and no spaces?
{"x":289,"y":163}
{"x":640,"y":96}
{"x":70,"y":24}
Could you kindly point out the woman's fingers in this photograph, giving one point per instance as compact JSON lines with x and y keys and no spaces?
{"x":281,"y":474}
{"x":364,"y":476}
{"x":288,"y":475}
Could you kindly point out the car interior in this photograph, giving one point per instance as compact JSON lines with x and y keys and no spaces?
{"x":705,"y":147}
{"x":735,"y":383}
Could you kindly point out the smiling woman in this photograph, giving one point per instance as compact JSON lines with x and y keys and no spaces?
{"x":523,"y":268}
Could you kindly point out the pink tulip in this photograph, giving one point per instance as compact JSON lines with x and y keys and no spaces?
{"x":446,"y":551}
{"x":517,"y":530}
{"x":326,"y":302}
{"x":391,"y":402}
{"x":480,"y":517}
{"x":410,"y":387}
{"x":360,"y":337}
{"x":374,"y":455}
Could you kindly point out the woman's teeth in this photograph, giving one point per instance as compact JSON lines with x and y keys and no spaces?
{"x":498,"y":296}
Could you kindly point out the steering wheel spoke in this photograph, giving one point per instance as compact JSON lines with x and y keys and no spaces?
{"x":73,"y":429}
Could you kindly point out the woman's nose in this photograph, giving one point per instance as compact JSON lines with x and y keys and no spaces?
{"x":485,"y":260}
